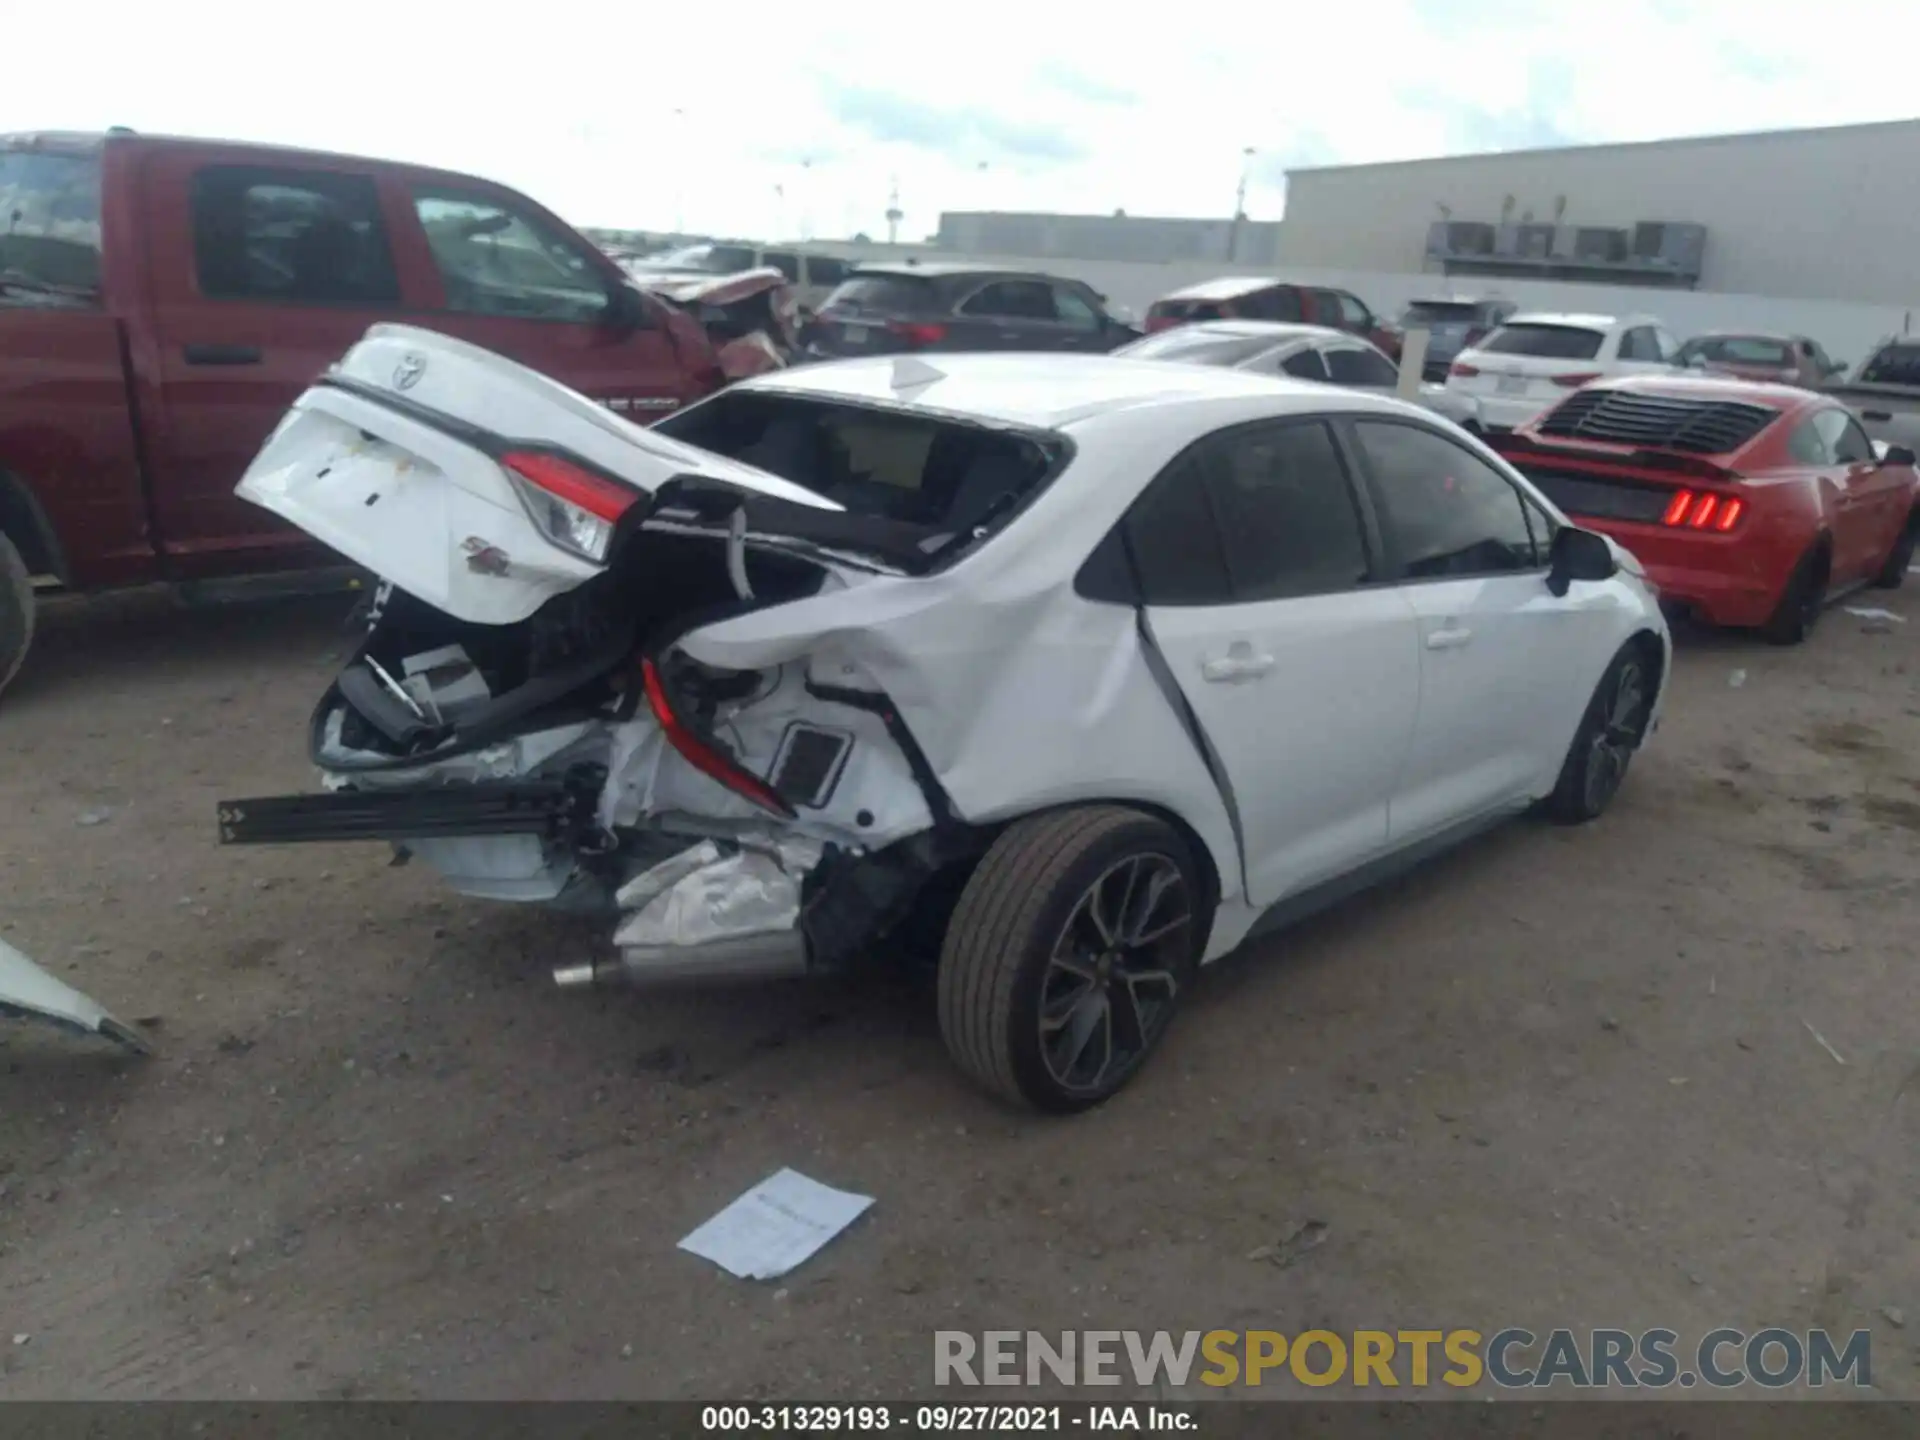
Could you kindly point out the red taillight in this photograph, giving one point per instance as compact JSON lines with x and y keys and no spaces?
{"x":918,"y":332}
{"x":1574,"y":382}
{"x":566,"y":481}
{"x":1702,"y":510}
{"x":1464,"y":371}
{"x":702,"y":755}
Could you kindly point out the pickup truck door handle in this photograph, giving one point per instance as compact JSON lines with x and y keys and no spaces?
{"x":221,"y":354}
{"x":1449,"y":637}
{"x":1239,"y":663}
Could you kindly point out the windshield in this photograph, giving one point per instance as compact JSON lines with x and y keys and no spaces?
{"x":1198,"y":347}
{"x":1545,"y":342}
{"x":49,"y":228}
{"x":941,"y":474}
{"x":1440,"y":312}
{"x":1738,"y":350}
{"x":1893,"y":365}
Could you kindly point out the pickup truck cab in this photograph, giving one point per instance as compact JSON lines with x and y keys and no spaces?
{"x":163,"y":301}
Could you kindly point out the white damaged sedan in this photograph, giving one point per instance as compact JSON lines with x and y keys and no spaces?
{"x":1082,"y":670}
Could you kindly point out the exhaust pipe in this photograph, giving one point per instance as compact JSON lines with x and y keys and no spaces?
{"x":770,"y":955}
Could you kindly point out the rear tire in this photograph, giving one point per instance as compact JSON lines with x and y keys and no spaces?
{"x":1072,"y":946}
{"x":1800,"y":603}
{"x":16,"y":612}
{"x":1894,"y":573}
{"x":1610,"y":731}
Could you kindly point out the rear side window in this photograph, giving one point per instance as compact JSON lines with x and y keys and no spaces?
{"x":787,"y":265}
{"x":1545,"y":342}
{"x":1639,"y":344}
{"x":1350,"y":365}
{"x":1280,"y":302}
{"x":920,"y":469}
{"x":1012,"y":300}
{"x":1174,"y":541}
{"x":1446,"y":512}
{"x":884,"y":294}
{"x":1305,"y":365}
{"x":825,"y":270}
{"x":49,"y":229}
{"x":291,"y":237}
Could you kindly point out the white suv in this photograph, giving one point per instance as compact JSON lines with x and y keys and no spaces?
{"x":1082,"y":669}
{"x":1534,"y":361}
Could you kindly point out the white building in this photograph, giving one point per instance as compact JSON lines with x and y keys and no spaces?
{"x":1826,"y":214}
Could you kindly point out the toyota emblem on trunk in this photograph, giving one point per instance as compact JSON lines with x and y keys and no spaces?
{"x":408,"y":372}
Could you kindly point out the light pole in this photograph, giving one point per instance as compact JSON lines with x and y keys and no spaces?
{"x":1239,"y":206}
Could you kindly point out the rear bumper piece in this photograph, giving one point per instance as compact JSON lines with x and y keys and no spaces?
{"x":1721,"y":579}
{"x":557,"y":810}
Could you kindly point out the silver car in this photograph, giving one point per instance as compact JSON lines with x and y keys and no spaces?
{"x":1302,"y":352}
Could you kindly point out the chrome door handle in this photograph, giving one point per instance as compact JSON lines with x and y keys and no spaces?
{"x":1236,"y":665}
{"x":1450,"y":637}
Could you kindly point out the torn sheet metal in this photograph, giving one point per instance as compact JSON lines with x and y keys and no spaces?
{"x":29,"y":993}
{"x":704,"y":894}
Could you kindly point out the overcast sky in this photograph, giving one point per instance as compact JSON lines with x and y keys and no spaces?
{"x":759,"y":119}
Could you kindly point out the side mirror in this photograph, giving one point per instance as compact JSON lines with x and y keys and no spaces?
{"x":627,"y":310}
{"x":1578,"y":555}
{"x":1898,"y":455}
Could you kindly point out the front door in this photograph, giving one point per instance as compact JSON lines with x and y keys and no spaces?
{"x":1866,"y":493}
{"x":262,"y":276}
{"x":1505,"y":666}
{"x":518,"y":283}
{"x":1302,"y":674}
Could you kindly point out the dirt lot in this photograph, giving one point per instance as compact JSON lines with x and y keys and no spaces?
{"x":1560,"y":1078}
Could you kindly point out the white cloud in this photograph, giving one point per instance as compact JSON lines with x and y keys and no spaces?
{"x":623,"y":115}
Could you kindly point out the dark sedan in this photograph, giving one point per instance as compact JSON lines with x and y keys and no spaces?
{"x":901,"y":309}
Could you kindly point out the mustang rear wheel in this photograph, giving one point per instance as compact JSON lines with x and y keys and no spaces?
{"x":1072,"y":946}
{"x":1800,"y":603}
{"x":1609,"y":733}
{"x":16,"y":611}
{"x":1894,"y":573}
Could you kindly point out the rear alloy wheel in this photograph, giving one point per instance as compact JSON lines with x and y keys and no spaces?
{"x":1894,"y":573}
{"x":1801,"y":602}
{"x":1071,"y":948}
{"x":1603,"y":746}
{"x":16,"y":611}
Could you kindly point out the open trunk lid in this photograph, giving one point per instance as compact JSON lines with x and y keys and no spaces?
{"x":410,"y":457}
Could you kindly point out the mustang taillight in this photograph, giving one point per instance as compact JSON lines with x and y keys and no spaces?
{"x":703,"y":755}
{"x":1703,"y":510}
{"x":573,"y":507}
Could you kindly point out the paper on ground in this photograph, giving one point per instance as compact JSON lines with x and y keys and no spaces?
{"x":1866,"y":612}
{"x":775,"y":1226}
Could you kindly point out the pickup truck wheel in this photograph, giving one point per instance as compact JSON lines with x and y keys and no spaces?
{"x":1072,"y":945}
{"x":1801,"y":602}
{"x":16,"y":611}
{"x":1894,"y":573}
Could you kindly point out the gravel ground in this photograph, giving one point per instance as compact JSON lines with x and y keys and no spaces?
{"x":1562,"y":1077}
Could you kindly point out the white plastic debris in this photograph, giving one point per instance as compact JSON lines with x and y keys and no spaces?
{"x":1874,"y":612}
{"x":1736,"y":679}
{"x":775,"y":1226}
{"x":28,"y":992}
{"x":701,"y":894}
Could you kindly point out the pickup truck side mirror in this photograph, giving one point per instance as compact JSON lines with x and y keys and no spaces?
{"x":1578,"y":555}
{"x":627,"y":310}
{"x":1897,"y":455}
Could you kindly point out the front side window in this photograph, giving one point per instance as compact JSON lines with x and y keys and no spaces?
{"x":495,"y":261}
{"x":1353,"y":314}
{"x":1639,"y":344}
{"x":1446,"y":512}
{"x":1350,"y":365}
{"x":49,"y":229}
{"x":301,"y":237}
{"x":1279,"y":302}
{"x":1074,"y":309}
{"x":1807,"y":445}
{"x":1843,"y":438}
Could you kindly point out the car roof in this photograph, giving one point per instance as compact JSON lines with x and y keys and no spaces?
{"x":942,"y":269}
{"x":1274,"y":330}
{"x":1227,"y":287}
{"x":1742,"y":335}
{"x":1571,"y":320}
{"x":1784,"y":398}
{"x":1043,"y":391}
{"x":1458,"y":300}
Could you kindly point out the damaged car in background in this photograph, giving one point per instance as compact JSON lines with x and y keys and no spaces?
{"x":751,"y":318}
{"x":1075,"y":671}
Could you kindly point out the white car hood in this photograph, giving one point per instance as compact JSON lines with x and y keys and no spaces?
{"x":28,"y":992}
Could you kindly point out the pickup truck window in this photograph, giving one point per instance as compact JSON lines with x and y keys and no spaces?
{"x":496,"y":262}
{"x":50,"y":243}
{"x":290,"y":236}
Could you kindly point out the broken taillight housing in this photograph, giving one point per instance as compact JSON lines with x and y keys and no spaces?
{"x":1703,"y":510}
{"x":701,"y":753}
{"x":572,"y":506}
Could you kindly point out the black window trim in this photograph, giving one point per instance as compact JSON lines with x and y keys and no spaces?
{"x":295,"y":177}
{"x":1371,"y":544}
{"x":1394,"y":564}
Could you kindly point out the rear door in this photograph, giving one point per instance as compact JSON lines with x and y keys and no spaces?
{"x":1012,"y":314}
{"x":505,"y":275}
{"x":1506,"y":668}
{"x":261,"y":275}
{"x":1301,"y":671}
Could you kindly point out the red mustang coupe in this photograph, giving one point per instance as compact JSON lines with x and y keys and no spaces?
{"x":1748,"y":504}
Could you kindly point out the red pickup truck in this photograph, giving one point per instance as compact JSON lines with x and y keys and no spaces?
{"x":163,"y":301}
